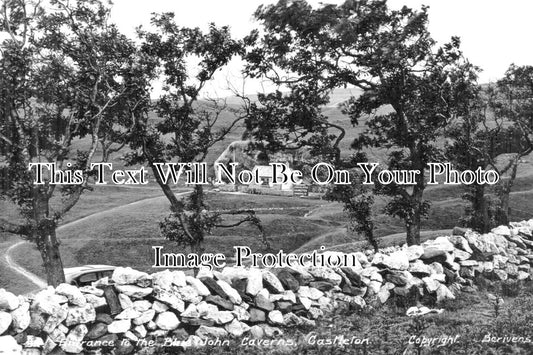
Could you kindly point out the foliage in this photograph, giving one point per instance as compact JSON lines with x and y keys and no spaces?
{"x":390,"y":55}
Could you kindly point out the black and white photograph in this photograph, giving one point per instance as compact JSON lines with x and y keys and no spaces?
{"x":266,"y":177}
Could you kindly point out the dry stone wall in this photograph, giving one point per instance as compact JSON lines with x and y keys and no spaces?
{"x":134,"y":312}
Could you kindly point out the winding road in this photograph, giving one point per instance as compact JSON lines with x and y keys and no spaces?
{"x":11,"y":264}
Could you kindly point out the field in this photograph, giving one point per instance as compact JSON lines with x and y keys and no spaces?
{"x":118,"y":225}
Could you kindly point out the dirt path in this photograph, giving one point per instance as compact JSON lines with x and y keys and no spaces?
{"x":11,"y":264}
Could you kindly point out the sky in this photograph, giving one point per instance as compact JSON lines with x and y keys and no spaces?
{"x":493,"y":33}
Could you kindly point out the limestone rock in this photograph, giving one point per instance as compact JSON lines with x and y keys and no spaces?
{"x":255,"y":282}
{"x":232,"y":293}
{"x":119,"y":326}
{"x":8,"y":301}
{"x":275,"y":317}
{"x":20,"y":318}
{"x":145,"y":317}
{"x":310,"y":292}
{"x":127,"y":276}
{"x":437,"y":247}
{"x":288,"y":281}
{"x":396,"y":261}
{"x":80,"y":315}
{"x":167,"y":321}
{"x":5,"y":321}
{"x":73,"y":342}
{"x":210,"y":332}
{"x":73,"y":294}
{"x":9,"y":345}
{"x":325,"y":274}
{"x":272,"y":283}
{"x":236,"y":328}
{"x":134,"y":291}
{"x":198,"y":286}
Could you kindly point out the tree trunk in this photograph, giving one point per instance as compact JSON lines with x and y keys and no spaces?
{"x":48,"y":246}
{"x":413,"y":227}
{"x":480,"y":211}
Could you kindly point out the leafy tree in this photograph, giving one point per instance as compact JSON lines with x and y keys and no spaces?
{"x":61,"y":70}
{"x":390,"y":56}
{"x":495,"y":132}
{"x":187,"y":126}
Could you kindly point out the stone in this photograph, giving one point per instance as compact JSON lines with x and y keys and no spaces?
{"x":72,"y":293}
{"x":134,"y":291}
{"x":257,"y":315}
{"x":461,"y":255}
{"x":179,"y":278}
{"x":315,"y":313}
{"x":198,"y":286}
{"x":92,"y":290}
{"x":502,"y":230}
{"x":275,"y":317}
{"x":414,"y":252}
{"x":256,"y":332}
{"x":188,"y":294}
{"x":288,"y":296}
{"x":20,"y":318}
{"x":241,"y":313}
{"x":95,"y":301}
{"x":399,"y":278}
{"x":37,"y":322}
{"x":354,"y":291}
{"x":56,"y":318}
{"x":419,"y":268}
{"x":325,"y":274}
{"x":5,"y":321}
{"x":170,"y":299}
{"x":128,"y":313}
{"x":159,"y":307}
{"x":396,"y":261}
{"x":288,"y":280}
{"x":284,"y":306}
{"x":236,"y":328}
{"x":167,"y":321}
{"x":301,"y":274}
{"x":125,"y":301}
{"x":499,"y":275}
{"x":232,"y":293}
{"x":221,"y":302}
{"x":310,"y":292}
{"x":263,"y":303}
{"x":9,"y":345}
{"x":271,"y":331}
{"x":211,"y":332}
{"x":190,"y":312}
{"x":431,"y":284}
{"x":104,"y":318}
{"x":353,"y":275}
{"x":271,"y":282}
{"x":141,"y":305}
{"x":443,"y":294}
{"x":8,"y":301}
{"x":255,"y":282}
{"x":322,"y":285}
{"x":119,"y":326}
{"x":439,"y":246}
{"x":140,"y":330}
{"x":214,"y":287}
{"x":145,"y":317}
{"x":97,"y":330}
{"x":73,"y":341}
{"x":127,"y":276}
{"x":80,"y":315}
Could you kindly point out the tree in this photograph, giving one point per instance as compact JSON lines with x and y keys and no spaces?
{"x":391,"y":57}
{"x":495,"y":132}
{"x":61,"y":70}
{"x":187,"y":126}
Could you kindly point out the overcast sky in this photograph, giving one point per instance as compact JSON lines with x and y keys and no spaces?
{"x":494,"y":33}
